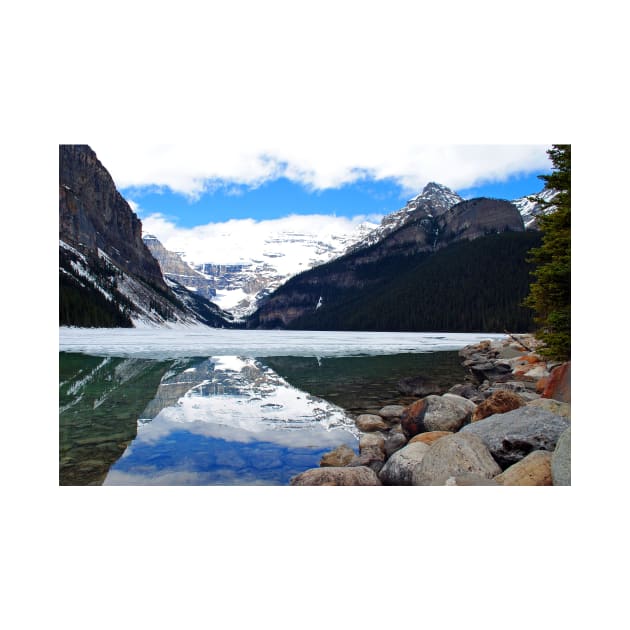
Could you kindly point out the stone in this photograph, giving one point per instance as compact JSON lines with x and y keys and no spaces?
{"x":368,"y":422}
{"x":466,"y":390}
{"x":399,"y":467}
{"x":499,"y":401}
{"x":559,"y":384}
{"x":372,"y":441}
{"x":429,"y":437}
{"x":391,"y":411}
{"x":337,"y":476}
{"x":453,"y":455}
{"x":394,"y":442}
{"x":513,"y":435}
{"x":418,"y":386}
{"x":533,"y":470}
{"x":555,"y":406}
{"x":561,"y":460}
{"x":437,"y":413}
{"x":341,"y":456}
{"x":470,"y":479}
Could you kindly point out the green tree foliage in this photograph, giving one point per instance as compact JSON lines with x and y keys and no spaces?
{"x":550,"y":294}
{"x":469,"y":286}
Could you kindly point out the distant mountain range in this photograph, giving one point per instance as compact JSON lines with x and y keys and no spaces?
{"x":112,"y":276}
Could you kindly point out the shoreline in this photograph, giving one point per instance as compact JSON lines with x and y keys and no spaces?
{"x":508,"y":423}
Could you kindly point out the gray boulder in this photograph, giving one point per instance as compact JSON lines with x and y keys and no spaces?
{"x":513,"y":435}
{"x":335,"y":476}
{"x":399,"y":467}
{"x":453,"y":456}
{"x":394,"y":442}
{"x":391,"y":411}
{"x":341,"y":456}
{"x":437,"y":413}
{"x":561,"y":460}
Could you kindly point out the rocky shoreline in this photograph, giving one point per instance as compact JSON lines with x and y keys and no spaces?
{"x":508,"y":424}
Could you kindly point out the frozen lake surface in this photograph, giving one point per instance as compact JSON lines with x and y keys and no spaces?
{"x":181,"y":342}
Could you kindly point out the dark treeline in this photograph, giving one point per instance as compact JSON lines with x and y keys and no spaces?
{"x":467,"y":287}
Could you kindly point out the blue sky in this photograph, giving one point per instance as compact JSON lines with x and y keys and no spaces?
{"x":281,"y":197}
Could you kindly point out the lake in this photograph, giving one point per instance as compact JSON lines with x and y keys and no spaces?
{"x":199,"y":406}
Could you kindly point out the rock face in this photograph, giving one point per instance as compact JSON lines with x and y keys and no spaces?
{"x":561,"y":460}
{"x":532,"y":470}
{"x":399,"y":467}
{"x":174,"y":268}
{"x":337,"y":476}
{"x":455,"y":455}
{"x":107,"y":275}
{"x":513,"y":435}
{"x":93,"y":214}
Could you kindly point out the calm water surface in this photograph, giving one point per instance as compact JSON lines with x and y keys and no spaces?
{"x":224,"y":419}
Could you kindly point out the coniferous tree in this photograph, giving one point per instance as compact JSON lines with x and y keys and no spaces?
{"x":550,"y":294}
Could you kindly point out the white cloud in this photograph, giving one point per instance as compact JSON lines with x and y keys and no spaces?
{"x":316,"y":159}
{"x":239,"y":240}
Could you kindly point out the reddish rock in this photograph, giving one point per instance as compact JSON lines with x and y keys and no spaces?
{"x":541,"y":384}
{"x":429,"y":437}
{"x":412,"y":421}
{"x":498,"y":402}
{"x":559,"y":385}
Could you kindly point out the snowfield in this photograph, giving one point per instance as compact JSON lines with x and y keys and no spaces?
{"x":202,"y":341}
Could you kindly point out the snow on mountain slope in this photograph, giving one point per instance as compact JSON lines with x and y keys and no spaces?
{"x":434,"y":200}
{"x":245,"y":260}
{"x":530,"y":209}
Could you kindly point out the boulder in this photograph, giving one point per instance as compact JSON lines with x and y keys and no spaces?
{"x":532,"y":470}
{"x":470,"y":479}
{"x":369,"y":422}
{"x":336,"y":476}
{"x":561,"y":460}
{"x":513,"y":435}
{"x":371,"y":452}
{"x":429,"y":437}
{"x":436,"y":413}
{"x":372,"y":442}
{"x":453,"y":455}
{"x":466,"y":390}
{"x":559,"y":384}
{"x":499,"y":401}
{"x":341,"y":456}
{"x":418,"y":386}
{"x":394,"y":442}
{"x":399,"y":467}
{"x":391,"y":411}
{"x":555,"y":406}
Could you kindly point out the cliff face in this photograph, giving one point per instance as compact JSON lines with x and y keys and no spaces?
{"x":93,"y":215}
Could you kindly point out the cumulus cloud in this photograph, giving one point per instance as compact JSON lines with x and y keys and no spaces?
{"x":239,"y":240}
{"x":315,"y":160}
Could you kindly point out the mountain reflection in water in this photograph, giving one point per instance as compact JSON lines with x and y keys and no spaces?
{"x":220,"y":420}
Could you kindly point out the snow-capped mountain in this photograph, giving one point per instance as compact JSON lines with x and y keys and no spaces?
{"x":244,"y":262}
{"x":530,"y":209}
{"x":434,"y":200}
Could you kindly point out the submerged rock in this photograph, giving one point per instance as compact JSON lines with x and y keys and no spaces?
{"x":418,"y":386}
